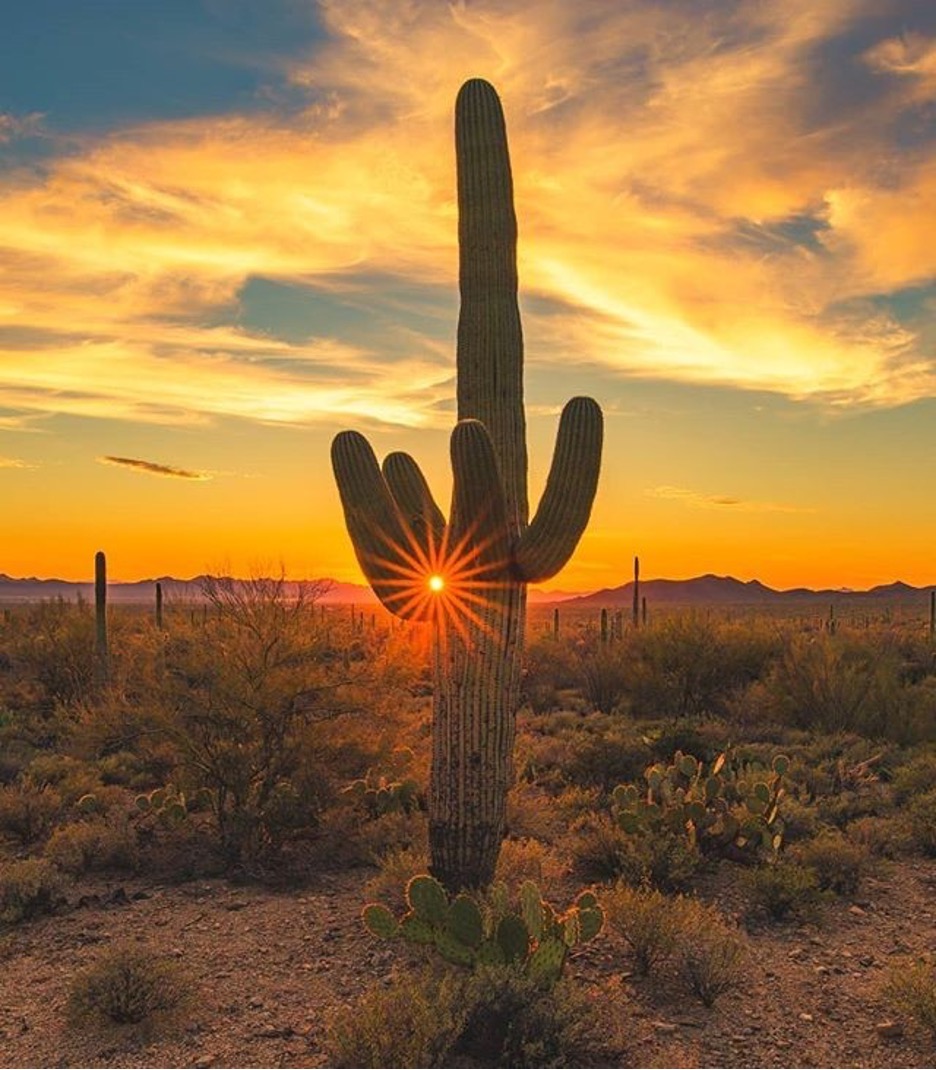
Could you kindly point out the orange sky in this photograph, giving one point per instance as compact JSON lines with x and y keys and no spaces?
{"x":725,"y":237}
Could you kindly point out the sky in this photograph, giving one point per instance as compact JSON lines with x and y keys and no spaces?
{"x":228,"y":231}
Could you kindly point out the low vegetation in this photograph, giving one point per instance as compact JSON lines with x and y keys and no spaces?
{"x":266,"y":738}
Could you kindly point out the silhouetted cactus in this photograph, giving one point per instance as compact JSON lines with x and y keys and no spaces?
{"x":159,"y":605}
{"x":101,"y":655}
{"x":636,"y":606}
{"x":488,"y":551}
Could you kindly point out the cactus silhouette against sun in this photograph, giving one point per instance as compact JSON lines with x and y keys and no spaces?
{"x":468,"y":575}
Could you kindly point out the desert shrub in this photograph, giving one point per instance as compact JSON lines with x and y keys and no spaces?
{"x":29,"y":888}
{"x":97,"y":844}
{"x":921,"y":822}
{"x":911,"y":988}
{"x":688,"y":666}
{"x":28,"y":810}
{"x":550,"y":668}
{"x":916,"y":777}
{"x":414,"y":1022}
{"x":238,"y":694}
{"x":838,"y":863}
{"x":709,"y":955}
{"x":886,"y":837}
{"x":396,"y":868}
{"x":603,"y":759}
{"x":529,"y":859}
{"x":646,"y":919}
{"x":839,"y":684}
{"x":495,"y":1018}
{"x":800,"y":820}
{"x":602,"y":851}
{"x":509,"y":1021}
{"x":783,"y":890}
{"x":128,"y":986}
{"x":604,"y":677}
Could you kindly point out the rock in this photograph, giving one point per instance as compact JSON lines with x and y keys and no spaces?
{"x":805,"y":1016}
{"x":666,"y":1028}
{"x":857,"y":911}
{"x":889,"y":1029}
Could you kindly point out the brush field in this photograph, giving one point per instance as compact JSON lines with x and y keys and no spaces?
{"x":189,"y":833}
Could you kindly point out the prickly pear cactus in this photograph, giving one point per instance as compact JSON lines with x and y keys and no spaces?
{"x":530,"y":937}
{"x":722,"y":811}
{"x":468,"y":575}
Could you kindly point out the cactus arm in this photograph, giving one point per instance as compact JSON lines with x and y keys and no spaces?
{"x":414,"y":498}
{"x":478,"y":542}
{"x":490,"y":338}
{"x":549,"y":541}
{"x":386,"y":548}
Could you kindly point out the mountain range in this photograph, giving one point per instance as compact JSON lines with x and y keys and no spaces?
{"x":699,"y":591}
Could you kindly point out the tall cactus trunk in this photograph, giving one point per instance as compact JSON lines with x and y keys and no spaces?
{"x":101,"y":653}
{"x":480,"y":561}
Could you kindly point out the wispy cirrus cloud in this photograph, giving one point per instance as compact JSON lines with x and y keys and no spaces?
{"x":14,"y":462}
{"x":154,"y":469}
{"x":695,"y":500}
{"x":697,"y":200}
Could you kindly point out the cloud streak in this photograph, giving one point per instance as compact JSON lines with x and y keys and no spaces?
{"x":694,"y":206}
{"x":154,"y":469}
{"x":695,"y":500}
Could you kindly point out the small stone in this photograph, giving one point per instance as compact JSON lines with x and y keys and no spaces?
{"x":889,"y":1029}
{"x":857,"y":911}
{"x":805,"y":1016}
{"x":203,"y":1062}
{"x":866,"y":960}
{"x":667,"y":1028}
{"x":256,"y":1002}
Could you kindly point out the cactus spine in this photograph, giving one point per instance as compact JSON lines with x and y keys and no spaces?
{"x":101,"y":656}
{"x":488,"y":550}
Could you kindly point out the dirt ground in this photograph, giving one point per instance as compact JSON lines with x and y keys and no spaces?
{"x":270,"y":966}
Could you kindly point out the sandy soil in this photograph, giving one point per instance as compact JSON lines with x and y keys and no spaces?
{"x":270,"y":966}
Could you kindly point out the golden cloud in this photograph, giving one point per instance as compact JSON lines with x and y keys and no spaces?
{"x":695,"y":500}
{"x":683,"y":214}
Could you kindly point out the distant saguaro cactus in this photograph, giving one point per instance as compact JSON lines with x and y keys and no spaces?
{"x":469,"y":575}
{"x":159,"y":605}
{"x":101,"y":655}
{"x":636,"y":606}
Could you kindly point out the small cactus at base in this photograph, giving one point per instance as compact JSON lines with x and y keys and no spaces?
{"x":466,"y":931}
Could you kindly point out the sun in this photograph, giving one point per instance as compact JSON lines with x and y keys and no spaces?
{"x":436,"y":583}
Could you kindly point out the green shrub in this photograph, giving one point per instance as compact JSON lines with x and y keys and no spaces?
{"x":648,"y":921}
{"x":128,"y":986}
{"x":493,"y":1018}
{"x":414,"y":1022}
{"x":29,"y":888}
{"x":97,"y":844}
{"x":916,"y":777}
{"x":710,"y":955}
{"x":911,"y":988}
{"x":602,"y":851}
{"x":838,"y":863}
{"x":783,"y":890}
{"x":921,"y":820}
{"x":28,"y":810}
{"x":887,"y":837}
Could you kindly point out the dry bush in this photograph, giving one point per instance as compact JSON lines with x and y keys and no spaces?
{"x":648,"y":921}
{"x":885,"y":837}
{"x":529,"y":859}
{"x":921,"y":821}
{"x":838,"y":863}
{"x":28,"y":810}
{"x":128,"y":986}
{"x":492,"y":1018}
{"x":96,"y":844}
{"x":911,"y":988}
{"x":783,"y":890}
{"x":397,"y":867}
{"x":29,"y":888}
{"x":710,"y":954}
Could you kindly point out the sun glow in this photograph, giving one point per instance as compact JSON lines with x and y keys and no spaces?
{"x":436,"y":583}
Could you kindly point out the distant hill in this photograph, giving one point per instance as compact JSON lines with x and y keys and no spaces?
{"x":710,"y":590}
{"x":32,"y":589}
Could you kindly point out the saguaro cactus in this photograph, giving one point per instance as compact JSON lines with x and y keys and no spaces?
{"x":101,"y":655}
{"x":468,"y":576}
